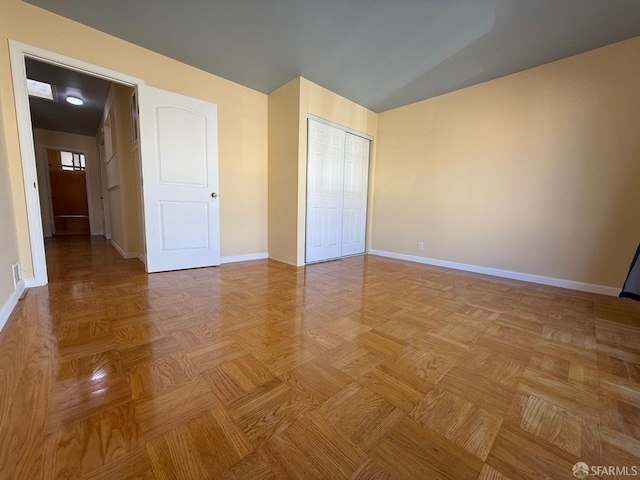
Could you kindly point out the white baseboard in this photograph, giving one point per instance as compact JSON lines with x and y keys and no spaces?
{"x":122,"y":253}
{"x":271,"y":257}
{"x":10,"y":303}
{"x":525,"y":277}
{"x":244,"y":258}
{"x":142,"y":257}
{"x":31,"y":282}
{"x":107,"y":236}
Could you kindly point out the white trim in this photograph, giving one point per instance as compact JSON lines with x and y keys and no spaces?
{"x":271,"y":257}
{"x":123,"y":254}
{"x":17,"y":53}
{"x":525,"y":277}
{"x":341,"y":127}
{"x":142,"y":257}
{"x":244,"y":258}
{"x":10,"y":303}
{"x":30,"y":282}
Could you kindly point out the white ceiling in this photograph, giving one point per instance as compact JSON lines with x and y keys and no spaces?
{"x":379,"y":53}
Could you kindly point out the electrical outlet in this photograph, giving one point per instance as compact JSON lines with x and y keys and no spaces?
{"x":420,"y":246}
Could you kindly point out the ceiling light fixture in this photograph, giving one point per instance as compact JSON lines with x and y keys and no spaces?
{"x":75,"y":101}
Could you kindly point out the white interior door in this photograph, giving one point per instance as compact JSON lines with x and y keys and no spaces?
{"x":325,"y":186}
{"x":179,"y":156}
{"x":356,"y":182}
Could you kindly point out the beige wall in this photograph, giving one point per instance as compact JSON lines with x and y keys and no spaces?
{"x":122,"y":173}
{"x":68,"y":141}
{"x":536,"y":172}
{"x":289,"y":107}
{"x":242,"y":118}
{"x":284,"y":123}
{"x":8,"y":240}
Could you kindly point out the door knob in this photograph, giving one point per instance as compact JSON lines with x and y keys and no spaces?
{"x":214,"y":195}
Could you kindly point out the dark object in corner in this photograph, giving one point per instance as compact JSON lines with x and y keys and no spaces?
{"x":631,"y":288}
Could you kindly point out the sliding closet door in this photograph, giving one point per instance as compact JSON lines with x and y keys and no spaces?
{"x":356,"y":181}
{"x":325,"y":187}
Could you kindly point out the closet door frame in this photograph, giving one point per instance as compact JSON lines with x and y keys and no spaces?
{"x":306,"y":183}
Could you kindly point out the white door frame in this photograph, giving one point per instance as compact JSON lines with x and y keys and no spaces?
{"x":18,"y":52}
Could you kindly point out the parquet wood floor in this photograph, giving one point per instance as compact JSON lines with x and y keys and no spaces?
{"x":363,"y":368}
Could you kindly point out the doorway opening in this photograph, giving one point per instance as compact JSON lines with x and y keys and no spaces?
{"x":69,"y":208}
{"x":67,"y":84}
{"x":68,"y":111}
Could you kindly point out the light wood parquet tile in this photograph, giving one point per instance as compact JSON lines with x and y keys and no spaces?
{"x":427,"y":368}
{"x":361,"y":415}
{"x":214,"y":354}
{"x":578,"y":400}
{"x":316,"y":383}
{"x":87,"y":445}
{"x":489,"y":473}
{"x":519,"y":353}
{"x":402,"y":329}
{"x":458,"y":420}
{"x":171,"y":370}
{"x":321,"y":339}
{"x":548,"y":421}
{"x":620,"y":363}
{"x":363,"y":368}
{"x":550,"y":365}
{"x":371,"y":470}
{"x":522,"y":455}
{"x":160,"y":413}
{"x":267,"y":410}
{"x":175,"y":455}
{"x":492,"y":396}
{"x":23,"y":429}
{"x":628,"y":447}
{"x":352,"y":359}
{"x":493,"y":365}
{"x":251,"y":467}
{"x":136,"y":332}
{"x":379,"y":343}
{"x":411,"y":451}
{"x":395,"y":386}
{"x":620,"y":416}
{"x":430,"y":342}
{"x":232,"y":379}
{"x":147,"y":352}
{"x":313,"y":448}
{"x":619,"y":388}
{"x":135,"y":465}
{"x":458,"y":332}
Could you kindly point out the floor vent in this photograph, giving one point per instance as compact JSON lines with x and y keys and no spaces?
{"x":17,"y":274}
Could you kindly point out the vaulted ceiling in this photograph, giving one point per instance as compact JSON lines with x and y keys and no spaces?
{"x":379,"y":53}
